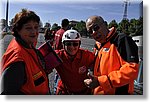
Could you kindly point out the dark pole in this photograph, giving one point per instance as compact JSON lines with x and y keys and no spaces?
{"x":7,"y":14}
{"x":125,"y":10}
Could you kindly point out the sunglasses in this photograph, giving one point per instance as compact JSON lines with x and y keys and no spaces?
{"x":71,"y":43}
{"x":93,"y":28}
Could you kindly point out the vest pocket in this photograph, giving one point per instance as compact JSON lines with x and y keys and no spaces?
{"x":39,"y":81}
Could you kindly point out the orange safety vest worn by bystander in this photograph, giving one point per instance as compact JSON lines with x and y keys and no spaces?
{"x":116,"y":65}
{"x":37,"y":81}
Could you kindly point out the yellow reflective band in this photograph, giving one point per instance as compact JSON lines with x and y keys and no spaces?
{"x":38,"y":74}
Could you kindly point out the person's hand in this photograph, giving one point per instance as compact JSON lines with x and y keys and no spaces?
{"x":92,"y":82}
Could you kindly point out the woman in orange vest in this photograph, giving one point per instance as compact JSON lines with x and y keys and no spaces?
{"x":22,"y":65}
{"x":116,"y":65}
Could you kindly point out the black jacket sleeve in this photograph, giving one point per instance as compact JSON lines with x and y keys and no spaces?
{"x":13,"y":78}
{"x":127,"y":48}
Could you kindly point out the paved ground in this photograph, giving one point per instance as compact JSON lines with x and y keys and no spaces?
{"x":87,"y":43}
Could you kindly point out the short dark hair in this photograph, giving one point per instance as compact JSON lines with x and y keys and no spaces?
{"x":65,"y":22}
{"x":23,"y":17}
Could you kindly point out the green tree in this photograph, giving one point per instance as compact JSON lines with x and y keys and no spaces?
{"x":139,"y":30}
{"x":113,"y":23}
{"x":81,"y":27}
{"x":133,"y":26}
{"x":124,"y":26}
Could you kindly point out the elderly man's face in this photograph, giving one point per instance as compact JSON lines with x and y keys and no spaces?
{"x":96,"y":31}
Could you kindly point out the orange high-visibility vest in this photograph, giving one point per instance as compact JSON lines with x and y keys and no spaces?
{"x":37,"y":81}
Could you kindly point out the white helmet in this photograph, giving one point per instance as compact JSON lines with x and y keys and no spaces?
{"x":71,"y":35}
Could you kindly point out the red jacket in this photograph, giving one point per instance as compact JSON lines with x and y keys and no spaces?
{"x":116,"y":65}
{"x":73,"y":73}
{"x":58,"y":39}
{"x":37,"y":81}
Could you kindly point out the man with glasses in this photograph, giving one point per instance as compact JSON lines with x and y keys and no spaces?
{"x":74,"y":68}
{"x":116,"y":65}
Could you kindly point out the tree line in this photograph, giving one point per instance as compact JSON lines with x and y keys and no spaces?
{"x":132,"y":27}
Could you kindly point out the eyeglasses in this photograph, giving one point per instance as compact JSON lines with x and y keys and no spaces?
{"x":71,"y":43}
{"x":93,"y":28}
